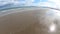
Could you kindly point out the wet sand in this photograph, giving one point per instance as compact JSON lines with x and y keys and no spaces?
{"x":26,"y":22}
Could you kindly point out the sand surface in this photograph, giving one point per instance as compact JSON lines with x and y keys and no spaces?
{"x":28,"y":22}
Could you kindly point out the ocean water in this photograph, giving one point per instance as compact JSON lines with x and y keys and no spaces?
{"x":37,"y":3}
